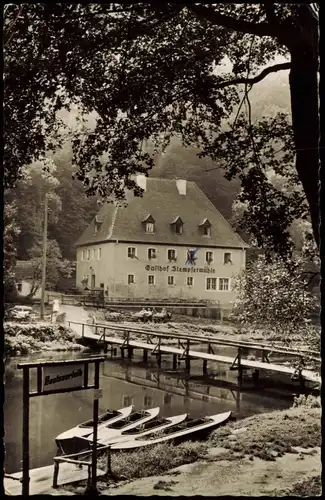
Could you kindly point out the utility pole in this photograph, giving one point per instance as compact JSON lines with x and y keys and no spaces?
{"x":44,"y":256}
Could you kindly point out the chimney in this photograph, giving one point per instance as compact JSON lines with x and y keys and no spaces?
{"x":141,"y":180}
{"x":181,"y":186}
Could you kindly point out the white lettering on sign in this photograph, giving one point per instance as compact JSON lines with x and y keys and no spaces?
{"x":63,"y":377}
{"x":177,"y":269}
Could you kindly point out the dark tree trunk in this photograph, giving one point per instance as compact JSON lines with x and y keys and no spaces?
{"x":305,"y":120}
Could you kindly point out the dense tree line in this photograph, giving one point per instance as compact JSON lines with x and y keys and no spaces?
{"x":148,"y":73}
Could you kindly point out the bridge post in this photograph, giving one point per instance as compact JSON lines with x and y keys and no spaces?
{"x":130,"y":352}
{"x":145,"y":355}
{"x":83,"y":330}
{"x":159,"y":359}
{"x":187,"y":360}
{"x":205,"y":368}
{"x":240,"y":368}
{"x":302,"y":382}
{"x":122,"y":352}
{"x":174,"y":361}
{"x":255,"y":376}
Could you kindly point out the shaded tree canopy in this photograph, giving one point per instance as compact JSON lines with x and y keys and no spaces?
{"x":274,"y":300}
{"x":150,"y":72}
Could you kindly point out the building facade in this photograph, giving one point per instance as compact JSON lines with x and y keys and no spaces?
{"x":171,"y":243}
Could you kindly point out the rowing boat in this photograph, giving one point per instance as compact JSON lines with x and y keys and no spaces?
{"x":185,"y":430}
{"x":141,"y":430}
{"x":114,"y":431}
{"x":66,"y":440}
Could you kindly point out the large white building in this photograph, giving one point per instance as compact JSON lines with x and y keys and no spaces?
{"x":170,"y":243}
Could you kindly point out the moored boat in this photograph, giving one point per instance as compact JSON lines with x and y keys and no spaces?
{"x":141,"y":430}
{"x":114,"y":431}
{"x":65,"y":440}
{"x":185,"y":430}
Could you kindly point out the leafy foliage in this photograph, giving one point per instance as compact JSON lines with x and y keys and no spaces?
{"x":10,"y":237}
{"x":56,"y":267}
{"x":30,"y":338}
{"x":69,"y":209}
{"x":149,"y":73}
{"x":272,"y":297}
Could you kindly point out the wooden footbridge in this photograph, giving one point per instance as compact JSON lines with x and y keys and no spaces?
{"x":157,"y":343}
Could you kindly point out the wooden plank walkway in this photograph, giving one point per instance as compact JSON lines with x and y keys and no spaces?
{"x":245,"y":363}
{"x":41,"y":479}
{"x":81,"y":328}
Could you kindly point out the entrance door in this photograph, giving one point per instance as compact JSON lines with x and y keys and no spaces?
{"x":93,"y":281}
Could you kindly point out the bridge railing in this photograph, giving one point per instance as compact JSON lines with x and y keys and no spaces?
{"x":262,"y":347}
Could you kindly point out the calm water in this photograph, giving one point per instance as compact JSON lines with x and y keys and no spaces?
{"x":124,"y":383}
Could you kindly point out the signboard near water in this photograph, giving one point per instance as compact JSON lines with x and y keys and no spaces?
{"x":63,"y":377}
{"x":58,"y":377}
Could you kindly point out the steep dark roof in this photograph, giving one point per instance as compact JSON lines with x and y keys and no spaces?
{"x":163,"y":201}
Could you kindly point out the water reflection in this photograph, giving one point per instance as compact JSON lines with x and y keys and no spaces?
{"x":123,"y":384}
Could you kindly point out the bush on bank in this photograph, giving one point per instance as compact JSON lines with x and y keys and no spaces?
{"x":28,"y":338}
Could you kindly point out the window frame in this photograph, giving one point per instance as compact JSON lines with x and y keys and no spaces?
{"x":178,"y":228}
{"x":156,"y":253}
{"x":219,"y":285}
{"x":189,"y":278}
{"x":133,"y":256}
{"x":154,"y":279}
{"x":208,"y":229}
{"x":147,"y":401}
{"x":131,"y":282}
{"x":88,"y":254}
{"x":211,"y":289}
{"x":174,"y":280}
{"x":127,"y":399}
{"x":150,"y":224}
{"x":175,"y":253}
{"x":224,"y":258}
{"x":206,"y":256}
{"x":93,"y":253}
{"x":99,"y":253}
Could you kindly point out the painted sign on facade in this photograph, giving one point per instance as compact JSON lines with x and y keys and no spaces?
{"x":178,"y":269}
{"x":63,"y":377}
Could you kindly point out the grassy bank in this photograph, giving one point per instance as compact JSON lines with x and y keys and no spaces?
{"x":270,"y":435}
{"x":295,"y":432}
{"x":28,"y":338}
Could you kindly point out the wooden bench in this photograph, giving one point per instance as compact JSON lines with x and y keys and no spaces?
{"x":83,"y":458}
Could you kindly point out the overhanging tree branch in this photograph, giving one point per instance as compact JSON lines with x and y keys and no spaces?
{"x":254,"y":79}
{"x":212,"y":15}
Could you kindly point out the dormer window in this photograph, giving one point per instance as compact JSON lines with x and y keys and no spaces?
{"x":177,"y":225}
{"x":205,"y":227}
{"x":150,"y":227}
{"x":149,"y":224}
